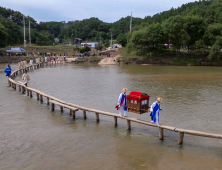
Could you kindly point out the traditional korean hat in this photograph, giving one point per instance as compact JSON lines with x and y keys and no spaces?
{"x":124,"y":89}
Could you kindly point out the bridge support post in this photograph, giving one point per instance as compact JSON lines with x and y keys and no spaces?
{"x":30,"y":93}
{"x":115,"y":121}
{"x":14,"y":86}
{"x":47,"y":101}
{"x":128,"y":124}
{"x":61,"y":108}
{"x":9,"y":83}
{"x":37,"y":95}
{"x":73,"y":114}
{"x":52,"y":107}
{"x":161,"y":137}
{"x":23,"y":89}
{"x":84,"y":114}
{"x":41,"y":98}
{"x":97,"y":117}
{"x":180,"y":140}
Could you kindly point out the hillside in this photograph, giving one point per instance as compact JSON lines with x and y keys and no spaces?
{"x":93,"y":29}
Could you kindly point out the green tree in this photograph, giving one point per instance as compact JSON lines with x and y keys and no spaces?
{"x":3,"y":35}
{"x":84,"y":49}
{"x":213,"y":38}
{"x":211,"y":33}
{"x":195,"y":28}
{"x":147,"y":39}
{"x":99,"y":47}
{"x":121,"y":39}
{"x":175,"y":30}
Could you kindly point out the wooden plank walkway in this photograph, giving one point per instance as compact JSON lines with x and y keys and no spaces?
{"x":73,"y":107}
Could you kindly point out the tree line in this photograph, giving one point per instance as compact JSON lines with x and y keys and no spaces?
{"x":195,"y":25}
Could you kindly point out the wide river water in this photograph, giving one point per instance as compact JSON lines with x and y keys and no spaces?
{"x":33,"y":137}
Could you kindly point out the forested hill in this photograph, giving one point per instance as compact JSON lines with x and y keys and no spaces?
{"x":195,"y":26}
{"x":210,"y":10}
{"x":93,"y":29}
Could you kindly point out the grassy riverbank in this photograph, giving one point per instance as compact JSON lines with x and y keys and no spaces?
{"x":165,"y":57}
{"x":169,"y":57}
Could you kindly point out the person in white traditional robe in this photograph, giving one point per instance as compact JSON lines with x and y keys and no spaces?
{"x":122,"y":104}
{"x":19,"y":65}
{"x":31,"y":62}
{"x":24,"y":63}
{"x":154,"y":109}
{"x":26,"y":78}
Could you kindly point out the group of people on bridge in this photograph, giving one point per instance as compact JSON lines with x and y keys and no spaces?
{"x":154,"y":108}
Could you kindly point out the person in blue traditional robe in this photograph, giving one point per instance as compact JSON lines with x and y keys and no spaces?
{"x":8,"y":71}
{"x":122,"y":104}
{"x":154,"y":109}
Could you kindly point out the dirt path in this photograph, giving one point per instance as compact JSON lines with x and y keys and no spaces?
{"x":69,"y":60}
{"x":109,"y":60}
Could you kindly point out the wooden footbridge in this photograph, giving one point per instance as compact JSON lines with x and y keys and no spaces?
{"x":50,"y":100}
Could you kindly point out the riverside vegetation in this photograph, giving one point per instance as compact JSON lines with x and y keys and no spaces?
{"x":194,"y":32}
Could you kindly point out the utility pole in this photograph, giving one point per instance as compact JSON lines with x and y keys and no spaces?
{"x":29,"y":35}
{"x":24,"y":30}
{"x":131,"y":23}
{"x":111,"y":39}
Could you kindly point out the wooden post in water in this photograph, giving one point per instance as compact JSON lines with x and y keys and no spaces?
{"x":47,"y":101}
{"x":73,"y":115}
{"x":52,"y":107}
{"x":27,"y":92}
{"x":161,"y":137}
{"x":97,"y":117}
{"x":180,"y":140}
{"x":128,"y":124}
{"x":23,"y":89}
{"x":84,"y":114}
{"x":61,"y":108}
{"x":37,"y":95}
{"x":41,"y":98}
{"x":115,"y":121}
{"x":30,"y":93}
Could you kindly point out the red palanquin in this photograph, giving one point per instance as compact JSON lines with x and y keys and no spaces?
{"x":137,"y":102}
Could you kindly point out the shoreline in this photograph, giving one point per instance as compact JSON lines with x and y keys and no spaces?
{"x":109,"y":61}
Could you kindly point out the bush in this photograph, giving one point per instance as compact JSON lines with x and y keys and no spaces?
{"x":99,"y":47}
{"x":84,"y":49}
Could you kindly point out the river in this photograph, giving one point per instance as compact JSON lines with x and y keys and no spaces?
{"x":33,"y":137}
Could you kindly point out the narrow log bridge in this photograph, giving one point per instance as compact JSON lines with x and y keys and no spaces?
{"x":73,"y":108}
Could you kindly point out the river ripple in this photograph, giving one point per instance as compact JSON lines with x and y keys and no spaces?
{"x":31,"y":137}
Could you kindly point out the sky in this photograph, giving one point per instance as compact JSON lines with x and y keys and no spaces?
{"x":105,"y":10}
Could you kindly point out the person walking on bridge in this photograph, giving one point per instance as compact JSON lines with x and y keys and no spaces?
{"x":122,"y":104}
{"x":8,"y":71}
{"x":154,"y":109}
{"x":26,"y":78}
